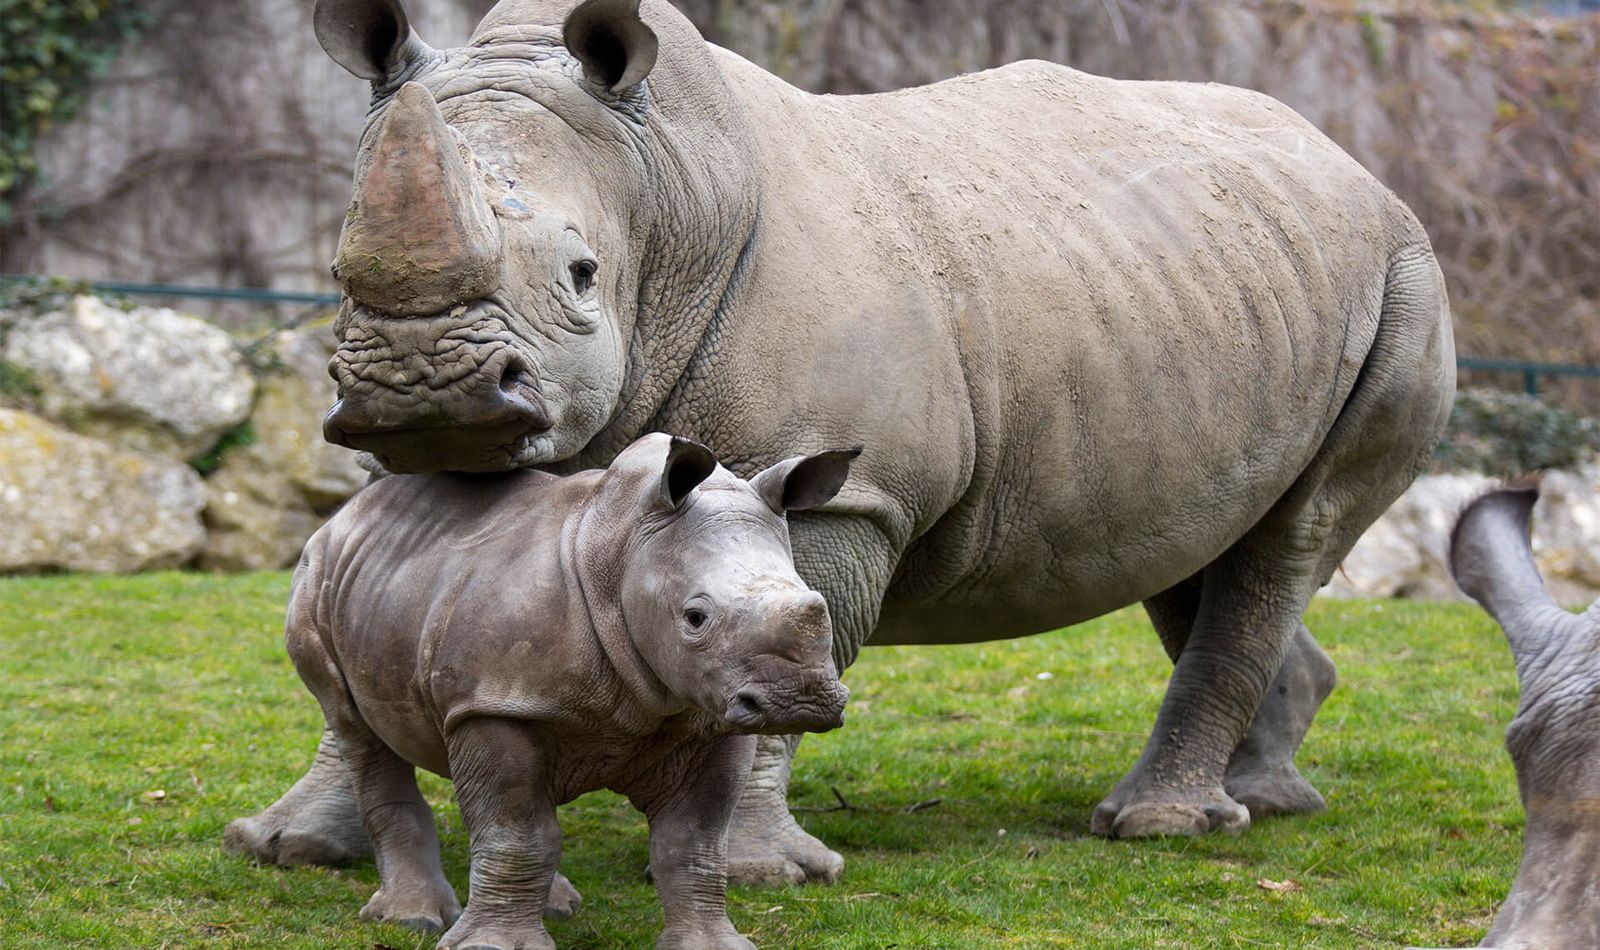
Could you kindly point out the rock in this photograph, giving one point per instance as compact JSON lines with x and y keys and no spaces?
{"x":267,"y":497}
{"x":1566,"y":533}
{"x":74,"y":503}
{"x":1404,"y":554}
{"x":293,"y":399}
{"x":148,"y":379}
{"x":255,"y":519}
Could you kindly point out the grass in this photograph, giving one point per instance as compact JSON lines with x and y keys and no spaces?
{"x":115,"y":689}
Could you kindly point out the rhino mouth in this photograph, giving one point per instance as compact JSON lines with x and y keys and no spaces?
{"x":758,"y":709}
{"x":452,"y":448}
{"x":402,"y":399}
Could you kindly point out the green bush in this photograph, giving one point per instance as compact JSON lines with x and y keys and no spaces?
{"x":50,"y":51}
{"x":1509,"y":434}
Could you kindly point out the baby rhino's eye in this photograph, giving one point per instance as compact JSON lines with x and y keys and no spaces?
{"x":695,"y":618}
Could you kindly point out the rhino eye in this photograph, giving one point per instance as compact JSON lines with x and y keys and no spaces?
{"x":583,"y":276}
{"x":695,"y":618}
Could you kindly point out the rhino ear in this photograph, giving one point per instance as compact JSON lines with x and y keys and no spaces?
{"x":688,"y":464}
{"x":367,"y":37}
{"x":804,"y":481}
{"x":615,"y":47}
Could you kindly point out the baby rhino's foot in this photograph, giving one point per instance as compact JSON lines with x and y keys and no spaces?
{"x":429,"y":908}
{"x":496,"y":932}
{"x":721,"y":937}
{"x":1156,"y":811}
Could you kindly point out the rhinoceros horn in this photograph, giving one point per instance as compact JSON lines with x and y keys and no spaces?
{"x":419,"y":237}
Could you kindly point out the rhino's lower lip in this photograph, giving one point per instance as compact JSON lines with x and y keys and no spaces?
{"x":446,"y":448}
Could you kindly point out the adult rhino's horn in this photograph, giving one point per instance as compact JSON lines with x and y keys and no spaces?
{"x":419,"y":237}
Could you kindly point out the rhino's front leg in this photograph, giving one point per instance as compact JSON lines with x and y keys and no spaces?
{"x":688,"y":845}
{"x":503,"y":786}
{"x":849,"y":561}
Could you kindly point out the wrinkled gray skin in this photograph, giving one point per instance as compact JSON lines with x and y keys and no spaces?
{"x":1108,"y":342}
{"x":535,"y":637}
{"x":1555,"y":739}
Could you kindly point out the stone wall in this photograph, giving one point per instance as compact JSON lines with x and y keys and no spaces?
{"x":107,"y":415}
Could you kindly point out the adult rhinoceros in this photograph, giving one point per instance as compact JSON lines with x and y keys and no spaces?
{"x":1105,"y":342}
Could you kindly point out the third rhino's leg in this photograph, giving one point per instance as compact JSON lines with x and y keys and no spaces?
{"x":1261,"y":773}
{"x":848,"y":561}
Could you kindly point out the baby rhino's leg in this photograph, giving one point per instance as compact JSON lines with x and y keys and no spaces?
{"x":412,"y":890}
{"x":689,"y":800}
{"x":503,"y":785}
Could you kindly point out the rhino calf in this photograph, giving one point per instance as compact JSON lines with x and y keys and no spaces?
{"x":1555,"y":739}
{"x":534,"y":637}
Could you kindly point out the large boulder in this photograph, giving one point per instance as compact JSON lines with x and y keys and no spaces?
{"x":1566,"y":533}
{"x":75,"y":503}
{"x":148,"y":379}
{"x":1406,"y":553}
{"x":267,"y":497}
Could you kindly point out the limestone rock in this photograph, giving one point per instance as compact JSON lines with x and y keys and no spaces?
{"x":1405,"y":553}
{"x":1566,"y":533}
{"x":267,"y":497}
{"x":74,"y":503}
{"x":255,"y":519}
{"x":148,"y":379}
{"x":288,"y":419}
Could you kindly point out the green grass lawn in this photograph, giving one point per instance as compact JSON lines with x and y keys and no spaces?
{"x":138,"y":715}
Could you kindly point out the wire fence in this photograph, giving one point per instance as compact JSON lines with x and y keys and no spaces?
{"x":1530,"y":372}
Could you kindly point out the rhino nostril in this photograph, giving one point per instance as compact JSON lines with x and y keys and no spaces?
{"x":514,"y":378}
{"x":746,"y":706}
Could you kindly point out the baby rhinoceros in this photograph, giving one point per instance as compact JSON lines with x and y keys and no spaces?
{"x":535,"y":637}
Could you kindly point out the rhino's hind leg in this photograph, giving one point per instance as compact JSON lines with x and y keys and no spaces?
{"x":315,"y":822}
{"x":1252,"y":597}
{"x":766,"y":846}
{"x":1261,"y":774}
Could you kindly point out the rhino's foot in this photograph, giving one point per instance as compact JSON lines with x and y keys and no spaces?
{"x":496,"y":932}
{"x":723,"y":937}
{"x":766,"y":848}
{"x":564,"y":900}
{"x":1276,"y":791}
{"x":428,"y":907}
{"x":311,"y":836}
{"x":1156,"y":812}
{"x":315,"y":822}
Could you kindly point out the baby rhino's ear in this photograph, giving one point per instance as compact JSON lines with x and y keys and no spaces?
{"x":688,"y":464}
{"x":804,"y":481}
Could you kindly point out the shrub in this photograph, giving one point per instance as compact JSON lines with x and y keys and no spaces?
{"x":1509,"y":434}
